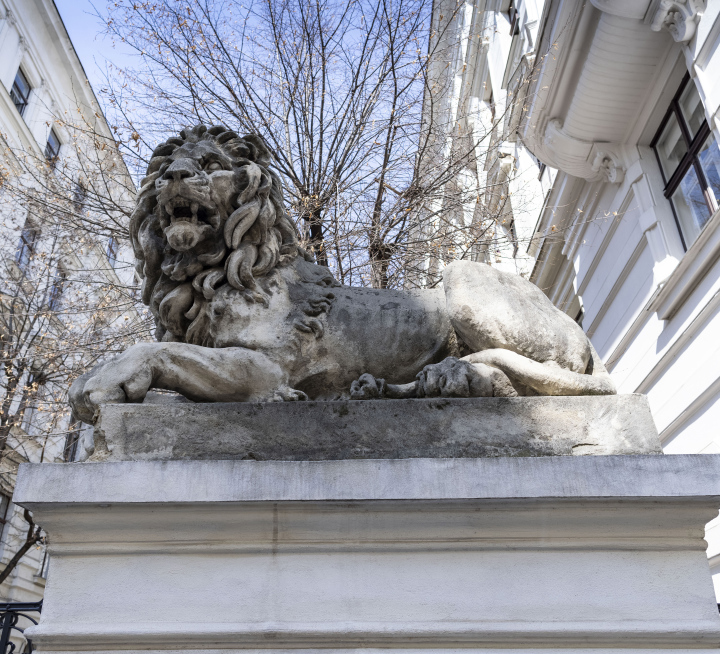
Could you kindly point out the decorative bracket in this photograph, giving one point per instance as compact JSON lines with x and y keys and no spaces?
{"x":679,"y":17}
{"x":607,"y":165}
{"x":595,"y":162}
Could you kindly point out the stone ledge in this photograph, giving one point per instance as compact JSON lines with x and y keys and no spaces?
{"x":387,"y":429}
{"x":694,"y":476}
{"x":679,"y":634}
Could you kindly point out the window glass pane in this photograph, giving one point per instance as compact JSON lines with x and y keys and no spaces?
{"x":709,"y":156}
{"x":52,"y":149}
{"x":671,"y":147}
{"x":692,"y":108}
{"x":690,"y":206}
{"x":112,"y":250}
{"x":4,"y":504}
{"x":22,"y":84}
{"x":20,"y":92}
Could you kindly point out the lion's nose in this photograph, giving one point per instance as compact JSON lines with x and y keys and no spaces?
{"x":180,"y":169}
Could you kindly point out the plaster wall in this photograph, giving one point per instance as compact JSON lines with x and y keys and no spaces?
{"x":607,"y":250}
{"x":33,"y":38}
{"x":651,"y":308}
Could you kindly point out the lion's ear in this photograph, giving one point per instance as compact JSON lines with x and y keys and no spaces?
{"x":264,"y":156}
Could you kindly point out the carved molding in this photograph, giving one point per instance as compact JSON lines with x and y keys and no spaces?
{"x":679,"y":17}
{"x":635,"y":9}
{"x":608,"y":166}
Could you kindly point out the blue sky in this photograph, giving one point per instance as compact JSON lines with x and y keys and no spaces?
{"x":85,"y":30}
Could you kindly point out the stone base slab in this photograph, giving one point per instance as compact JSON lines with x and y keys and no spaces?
{"x":601,"y":552}
{"x":464,"y":650}
{"x":378,"y":429}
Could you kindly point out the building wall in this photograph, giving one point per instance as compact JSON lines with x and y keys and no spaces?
{"x":33,"y":38}
{"x":603,"y":241}
{"x":650,"y":307}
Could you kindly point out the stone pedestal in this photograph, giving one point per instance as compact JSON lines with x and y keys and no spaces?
{"x":578,"y":553}
{"x":387,"y":429}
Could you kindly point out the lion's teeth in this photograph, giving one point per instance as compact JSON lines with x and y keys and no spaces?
{"x":194,"y":208}
{"x":168,"y":208}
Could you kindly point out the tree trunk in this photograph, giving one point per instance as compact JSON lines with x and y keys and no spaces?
{"x":317,"y":238}
{"x":33,"y":537}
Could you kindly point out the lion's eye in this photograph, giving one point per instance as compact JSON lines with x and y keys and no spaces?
{"x":213,"y":166}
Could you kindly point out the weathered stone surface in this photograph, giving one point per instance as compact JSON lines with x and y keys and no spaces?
{"x":244,"y":315}
{"x":496,"y":479}
{"x":383,"y":429}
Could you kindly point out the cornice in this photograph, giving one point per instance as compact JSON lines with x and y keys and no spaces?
{"x":586,"y":84}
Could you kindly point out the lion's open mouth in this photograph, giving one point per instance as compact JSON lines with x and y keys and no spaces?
{"x":180,"y":209}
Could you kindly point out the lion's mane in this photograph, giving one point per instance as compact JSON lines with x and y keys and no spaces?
{"x":256,"y":237}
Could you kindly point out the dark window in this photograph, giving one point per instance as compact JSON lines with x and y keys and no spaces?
{"x":112,"y":250}
{"x":20,"y":92}
{"x":513,"y":237}
{"x":28,"y":240}
{"x":56,"y":289}
{"x":689,"y":160}
{"x":514,"y":19}
{"x":4,"y":507}
{"x":52,"y":147}
{"x":5,"y":501}
{"x":43,"y":572}
{"x":71,"y":442}
{"x":79,"y":196}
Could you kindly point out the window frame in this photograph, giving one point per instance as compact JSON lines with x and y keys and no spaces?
{"x":29,"y":236}
{"x":514,"y":18}
{"x":80,"y":193}
{"x":56,"y":289}
{"x":693,"y":143}
{"x":24,"y":98}
{"x":52,"y":160}
{"x":72,"y":438}
{"x":4,"y":511}
{"x":111,"y":251}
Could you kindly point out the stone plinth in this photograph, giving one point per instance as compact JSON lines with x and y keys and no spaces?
{"x":380,"y":429}
{"x":228,"y":556}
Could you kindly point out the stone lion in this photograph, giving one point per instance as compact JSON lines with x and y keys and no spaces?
{"x":243,"y":314}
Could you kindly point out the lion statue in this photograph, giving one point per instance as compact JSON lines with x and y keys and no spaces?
{"x":243,"y":313}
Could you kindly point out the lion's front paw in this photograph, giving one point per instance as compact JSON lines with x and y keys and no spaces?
{"x":288,"y":394}
{"x":366,"y":387}
{"x":454,"y":378}
{"x":126,"y":378}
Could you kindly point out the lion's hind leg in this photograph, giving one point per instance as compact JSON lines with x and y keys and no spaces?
{"x":545,"y":378}
{"x":450,"y":377}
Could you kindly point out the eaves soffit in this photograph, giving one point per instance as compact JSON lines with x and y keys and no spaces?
{"x":597,"y":62}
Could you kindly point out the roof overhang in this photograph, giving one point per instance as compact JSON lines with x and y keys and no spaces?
{"x":597,"y":66}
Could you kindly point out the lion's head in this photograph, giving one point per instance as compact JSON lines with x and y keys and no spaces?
{"x":209,"y":212}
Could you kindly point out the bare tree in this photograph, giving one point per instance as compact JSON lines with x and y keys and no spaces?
{"x":67,"y":298}
{"x":344,"y":95}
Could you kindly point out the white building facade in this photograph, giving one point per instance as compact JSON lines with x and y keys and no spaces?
{"x":44,"y":87}
{"x":612,"y":122}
